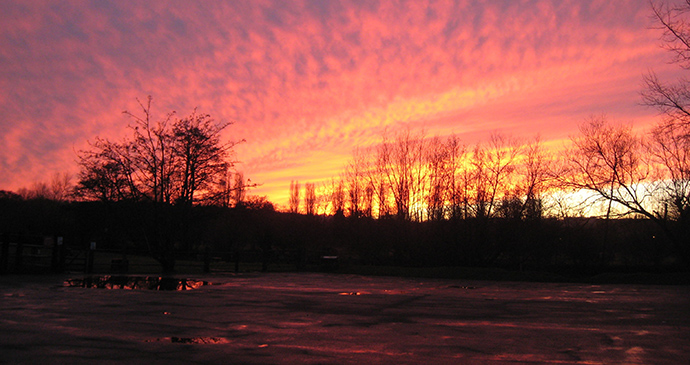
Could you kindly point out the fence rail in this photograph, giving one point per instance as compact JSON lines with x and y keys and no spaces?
{"x":17,"y":255}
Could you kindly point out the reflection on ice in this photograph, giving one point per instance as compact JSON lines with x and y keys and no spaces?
{"x":135,"y":282}
{"x":193,"y":340}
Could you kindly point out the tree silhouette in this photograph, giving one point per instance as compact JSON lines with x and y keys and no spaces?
{"x":167,"y":163}
{"x":294,"y":197}
{"x":202,"y":158}
{"x":672,"y":99}
{"x":607,"y":160}
{"x":535,"y":178}
{"x":170,"y":161}
{"x":670,"y":139}
{"x":310,"y":198}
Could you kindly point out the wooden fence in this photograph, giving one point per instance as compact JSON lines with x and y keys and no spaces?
{"x":39,"y":254}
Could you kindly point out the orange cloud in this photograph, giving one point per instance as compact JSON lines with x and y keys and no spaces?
{"x":306,"y":82}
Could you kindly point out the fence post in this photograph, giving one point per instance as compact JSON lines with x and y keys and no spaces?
{"x":5,"y":253}
{"x":57,"y":253}
{"x":207,"y":260}
{"x":90,"y":257}
{"x":19,"y":255}
{"x":62,"y":254}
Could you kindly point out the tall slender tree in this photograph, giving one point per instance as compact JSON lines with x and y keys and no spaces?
{"x":294,"y":196}
{"x":310,"y":198}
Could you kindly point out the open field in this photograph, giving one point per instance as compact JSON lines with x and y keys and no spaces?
{"x":327,"y":318}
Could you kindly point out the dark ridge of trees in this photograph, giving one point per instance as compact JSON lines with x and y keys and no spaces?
{"x":484,"y":206}
{"x":59,"y":188}
{"x":504,"y":186}
{"x":570,"y":246}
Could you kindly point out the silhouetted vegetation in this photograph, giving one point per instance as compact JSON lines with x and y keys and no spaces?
{"x":151,"y":181}
{"x":612,"y":200}
{"x":570,"y":246}
{"x":494,"y":204}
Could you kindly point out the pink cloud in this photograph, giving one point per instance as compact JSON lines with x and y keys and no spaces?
{"x":307,"y":82}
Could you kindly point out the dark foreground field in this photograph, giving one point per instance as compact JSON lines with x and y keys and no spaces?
{"x":322,"y":318}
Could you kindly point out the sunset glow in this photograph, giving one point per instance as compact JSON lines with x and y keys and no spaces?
{"x":307,"y":82}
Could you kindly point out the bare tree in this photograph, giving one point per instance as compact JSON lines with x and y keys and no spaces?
{"x":38,"y":190}
{"x":201,"y":157}
{"x":353,"y":180}
{"x":500,"y":165}
{"x":337,"y":197}
{"x":239,"y":190}
{"x":441,"y":174}
{"x":61,"y":187}
{"x":456,"y":156}
{"x":400,"y":173}
{"x":150,"y":155}
{"x":672,"y":99}
{"x":106,"y":173}
{"x":167,"y":161}
{"x":381,"y":191}
{"x":607,"y":160}
{"x":401,"y":163}
{"x":536,"y":173}
{"x":648,"y":180}
{"x":669,"y":147}
{"x":672,"y":20}
{"x":420,"y":176}
{"x":488,"y":179}
{"x":310,"y":198}
{"x":359,"y":180}
{"x":671,"y":151}
{"x":670,"y":138}
{"x":294,"y":197}
{"x":379,"y":179}
{"x":476,"y":183}
{"x":464,"y":187}
{"x":254,"y":202}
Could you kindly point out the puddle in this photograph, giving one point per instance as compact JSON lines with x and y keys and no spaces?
{"x":135,"y":283}
{"x":193,"y":340}
{"x":461,"y":287}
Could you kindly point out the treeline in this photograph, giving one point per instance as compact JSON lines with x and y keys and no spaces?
{"x":607,"y":171}
{"x":411,"y":177}
{"x":412,"y":201}
{"x":573,"y":245}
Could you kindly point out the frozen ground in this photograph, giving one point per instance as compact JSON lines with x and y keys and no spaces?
{"x":320,"y":318}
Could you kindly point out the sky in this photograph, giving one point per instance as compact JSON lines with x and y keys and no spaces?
{"x":307,"y":82}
